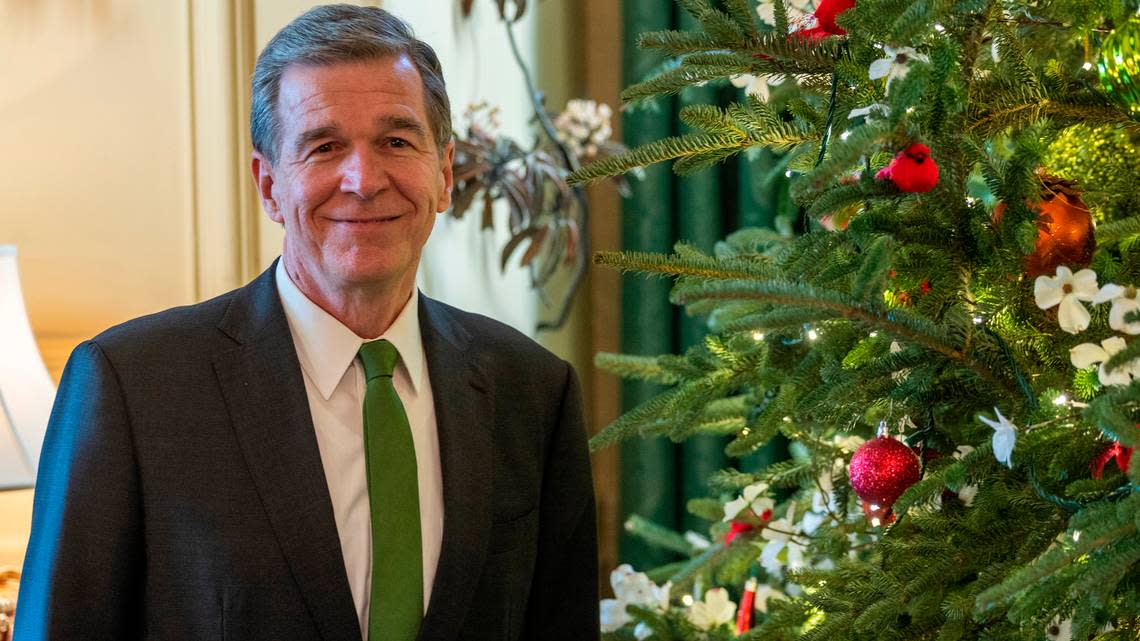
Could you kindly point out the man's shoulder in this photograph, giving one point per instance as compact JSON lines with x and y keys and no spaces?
{"x":182,"y":327}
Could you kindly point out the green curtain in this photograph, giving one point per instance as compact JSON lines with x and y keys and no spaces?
{"x":659,"y":477}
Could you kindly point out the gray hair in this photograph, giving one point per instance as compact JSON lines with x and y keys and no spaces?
{"x":334,"y":34}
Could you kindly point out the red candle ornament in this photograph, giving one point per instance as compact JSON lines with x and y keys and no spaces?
{"x":912,"y":170}
{"x":747,"y":604}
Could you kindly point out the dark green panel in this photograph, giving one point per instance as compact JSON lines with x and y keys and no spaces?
{"x":758,"y":202}
{"x":648,"y":466}
{"x":700,"y":215}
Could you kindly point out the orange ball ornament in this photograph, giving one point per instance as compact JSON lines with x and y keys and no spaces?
{"x":1065,"y":229}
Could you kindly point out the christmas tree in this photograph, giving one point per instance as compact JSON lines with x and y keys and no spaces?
{"x":948,"y":342}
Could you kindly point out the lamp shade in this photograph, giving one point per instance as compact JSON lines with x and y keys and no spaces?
{"x":26,"y":390}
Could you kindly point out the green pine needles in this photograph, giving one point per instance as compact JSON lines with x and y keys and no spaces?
{"x":910,"y":308}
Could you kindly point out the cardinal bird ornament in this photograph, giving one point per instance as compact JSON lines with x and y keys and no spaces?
{"x":825,"y":15}
{"x":828,"y":10}
{"x":913,"y":170}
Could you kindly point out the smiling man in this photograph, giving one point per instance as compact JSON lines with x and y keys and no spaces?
{"x":324,"y":453}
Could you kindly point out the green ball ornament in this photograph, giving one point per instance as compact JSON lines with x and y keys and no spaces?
{"x":1119,"y":65}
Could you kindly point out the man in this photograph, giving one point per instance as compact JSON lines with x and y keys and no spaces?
{"x":235,"y":470}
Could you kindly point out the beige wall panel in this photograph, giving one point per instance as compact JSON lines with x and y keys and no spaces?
{"x":96,"y":187}
{"x":98,"y":196}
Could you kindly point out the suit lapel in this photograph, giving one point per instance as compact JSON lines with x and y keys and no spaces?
{"x":464,"y":415}
{"x":265,"y":394}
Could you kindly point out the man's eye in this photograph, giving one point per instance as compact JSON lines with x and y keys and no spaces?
{"x":398,"y":142}
{"x":324,"y":149}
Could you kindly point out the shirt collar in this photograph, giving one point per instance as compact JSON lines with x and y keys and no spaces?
{"x":326,"y":347}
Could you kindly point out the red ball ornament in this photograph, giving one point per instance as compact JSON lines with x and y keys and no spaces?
{"x":912,"y":170}
{"x":881,"y":470}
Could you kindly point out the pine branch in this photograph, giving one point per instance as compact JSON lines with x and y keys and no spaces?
{"x":657,"y":151}
{"x":645,"y":368}
{"x":893,"y":322}
{"x":676,"y":43}
{"x":1118,"y":230}
{"x":1053,"y":561}
{"x":708,"y":267}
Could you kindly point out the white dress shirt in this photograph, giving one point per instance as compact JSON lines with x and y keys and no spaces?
{"x":334,"y":384}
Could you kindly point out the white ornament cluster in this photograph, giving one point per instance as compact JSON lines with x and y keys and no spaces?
{"x":1069,"y":292}
{"x":584,"y":126}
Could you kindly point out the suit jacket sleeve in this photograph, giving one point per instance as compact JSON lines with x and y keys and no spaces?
{"x":563,"y":602}
{"x":85,"y":556}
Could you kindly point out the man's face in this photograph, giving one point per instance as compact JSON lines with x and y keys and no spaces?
{"x":359,"y":177}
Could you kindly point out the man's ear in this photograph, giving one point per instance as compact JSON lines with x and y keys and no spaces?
{"x":262,"y":171}
{"x":448,"y":176}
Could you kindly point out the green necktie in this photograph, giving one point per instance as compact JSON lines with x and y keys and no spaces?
{"x":396,"y":604}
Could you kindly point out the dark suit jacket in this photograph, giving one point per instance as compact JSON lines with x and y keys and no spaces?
{"x":181,"y":493}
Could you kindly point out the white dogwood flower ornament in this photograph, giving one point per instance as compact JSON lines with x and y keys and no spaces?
{"x":716,"y":610}
{"x":895,"y":64}
{"x":1123,"y":300}
{"x":1088,"y":354}
{"x":1067,"y":290}
{"x":753,"y":497}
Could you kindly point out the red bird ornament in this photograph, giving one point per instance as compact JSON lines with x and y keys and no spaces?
{"x":826,"y":13}
{"x":913,"y":170}
{"x":825,"y":26}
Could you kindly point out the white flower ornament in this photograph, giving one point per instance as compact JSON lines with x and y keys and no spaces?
{"x":873,"y":111}
{"x":716,"y":610}
{"x":1005,"y":437}
{"x":1088,"y":354}
{"x":764,"y":592}
{"x":631,"y":588}
{"x":751,"y":498}
{"x":780,"y":536}
{"x":1067,"y":290}
{"x":759,"y":86}
{"x":797,"y":9}
{"x":1123,"y":301}
{"x":896,"y":64}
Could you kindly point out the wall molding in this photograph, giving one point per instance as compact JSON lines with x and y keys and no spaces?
{"x":224,"y":199}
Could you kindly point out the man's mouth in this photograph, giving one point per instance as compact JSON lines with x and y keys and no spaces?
{"x":367,"y":221}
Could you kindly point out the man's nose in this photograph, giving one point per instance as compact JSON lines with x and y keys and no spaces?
{"x":363,"y":173}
